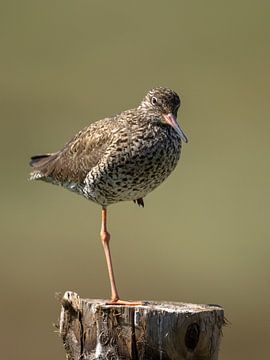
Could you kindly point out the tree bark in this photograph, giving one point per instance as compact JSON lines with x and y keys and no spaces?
{"x":91,"y":329}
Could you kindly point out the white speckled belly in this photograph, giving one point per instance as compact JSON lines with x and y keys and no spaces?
{"x":131,"y":177}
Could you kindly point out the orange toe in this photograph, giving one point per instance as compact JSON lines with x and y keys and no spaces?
{"x":124,"y":302}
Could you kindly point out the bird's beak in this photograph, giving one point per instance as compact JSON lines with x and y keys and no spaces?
{"x":171,"y":120}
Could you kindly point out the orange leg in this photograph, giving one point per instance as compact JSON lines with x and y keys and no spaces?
{"x":105,"y":239}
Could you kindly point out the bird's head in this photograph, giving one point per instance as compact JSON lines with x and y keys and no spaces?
{"x":163,"y":103}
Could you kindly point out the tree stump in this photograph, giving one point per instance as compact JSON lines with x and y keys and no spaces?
{"x":91,"y":329}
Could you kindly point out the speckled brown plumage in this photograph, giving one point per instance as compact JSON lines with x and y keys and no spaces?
{"x":120,"y":158}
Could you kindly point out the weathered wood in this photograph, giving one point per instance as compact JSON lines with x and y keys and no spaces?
{"x":90,"y":329}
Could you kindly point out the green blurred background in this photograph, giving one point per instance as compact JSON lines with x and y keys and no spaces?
{"x":203,"y":236}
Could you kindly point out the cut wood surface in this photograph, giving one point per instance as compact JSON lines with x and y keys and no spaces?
{"x":91,"y":329}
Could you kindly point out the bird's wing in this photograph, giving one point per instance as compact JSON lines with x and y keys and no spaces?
{"x":80,"y":154}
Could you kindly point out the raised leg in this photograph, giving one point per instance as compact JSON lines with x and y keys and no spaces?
{"x":139,"y":201}
{"x":105,"y":239}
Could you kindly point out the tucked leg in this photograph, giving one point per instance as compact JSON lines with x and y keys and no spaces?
{"x":139,"y":201}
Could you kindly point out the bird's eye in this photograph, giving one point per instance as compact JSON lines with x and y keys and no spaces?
{"x":154,"y":100}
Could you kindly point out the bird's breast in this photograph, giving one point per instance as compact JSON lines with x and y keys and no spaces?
{"x":133,"y":167}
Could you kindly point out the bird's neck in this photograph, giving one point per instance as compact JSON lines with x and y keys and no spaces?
{"x":147,"y":112}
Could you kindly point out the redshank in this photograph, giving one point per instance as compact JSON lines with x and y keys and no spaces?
{"x":118,"y":158}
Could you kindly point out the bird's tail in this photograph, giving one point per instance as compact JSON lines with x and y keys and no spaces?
{"x":42,"y":165}
{"x":39,"y":160}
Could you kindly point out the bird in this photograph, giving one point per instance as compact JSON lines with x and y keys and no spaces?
{"x":118,"y":158}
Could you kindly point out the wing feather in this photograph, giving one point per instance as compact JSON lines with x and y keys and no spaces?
{"x":79,"y":155}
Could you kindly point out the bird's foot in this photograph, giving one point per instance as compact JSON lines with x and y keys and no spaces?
{"x":124,"y":302}
{"x":139,"y":201}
